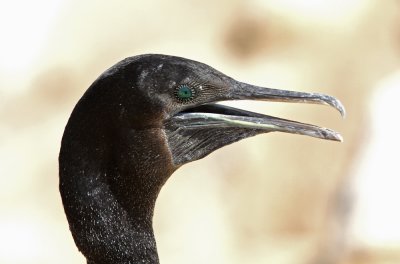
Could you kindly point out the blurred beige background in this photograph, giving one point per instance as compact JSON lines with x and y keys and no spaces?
{"x":274,"y":198}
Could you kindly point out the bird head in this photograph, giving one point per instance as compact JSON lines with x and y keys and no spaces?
{"x":180,"y":96}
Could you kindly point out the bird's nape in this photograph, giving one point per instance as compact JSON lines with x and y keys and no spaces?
{"x":137,"y":123}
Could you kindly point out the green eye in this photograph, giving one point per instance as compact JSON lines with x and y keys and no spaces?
{"x":184,"y":93}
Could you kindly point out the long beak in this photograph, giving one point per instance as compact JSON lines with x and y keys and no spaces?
{"x":243,"y":91}
{"x":202,"y":128}
{"x":213,"y":115}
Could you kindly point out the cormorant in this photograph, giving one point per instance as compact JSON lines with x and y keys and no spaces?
{"x":135,"y":125}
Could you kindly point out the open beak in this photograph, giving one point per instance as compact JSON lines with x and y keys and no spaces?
{"x":214,"y":115}
{"x":200,"y":129}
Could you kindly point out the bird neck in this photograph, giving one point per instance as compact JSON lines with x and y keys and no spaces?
{"x":109,"y":183}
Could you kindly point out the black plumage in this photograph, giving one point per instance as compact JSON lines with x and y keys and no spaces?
{"x":136,"y":124}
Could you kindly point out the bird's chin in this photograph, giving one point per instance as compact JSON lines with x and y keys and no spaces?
{"x":198,"y":131}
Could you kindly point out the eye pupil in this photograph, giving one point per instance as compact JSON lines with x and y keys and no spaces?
{"x":185,"y":93}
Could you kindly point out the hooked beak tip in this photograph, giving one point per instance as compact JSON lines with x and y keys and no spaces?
{"x":332,"y":101}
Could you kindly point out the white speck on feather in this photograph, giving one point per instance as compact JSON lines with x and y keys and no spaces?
{"x":143,"y":75}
